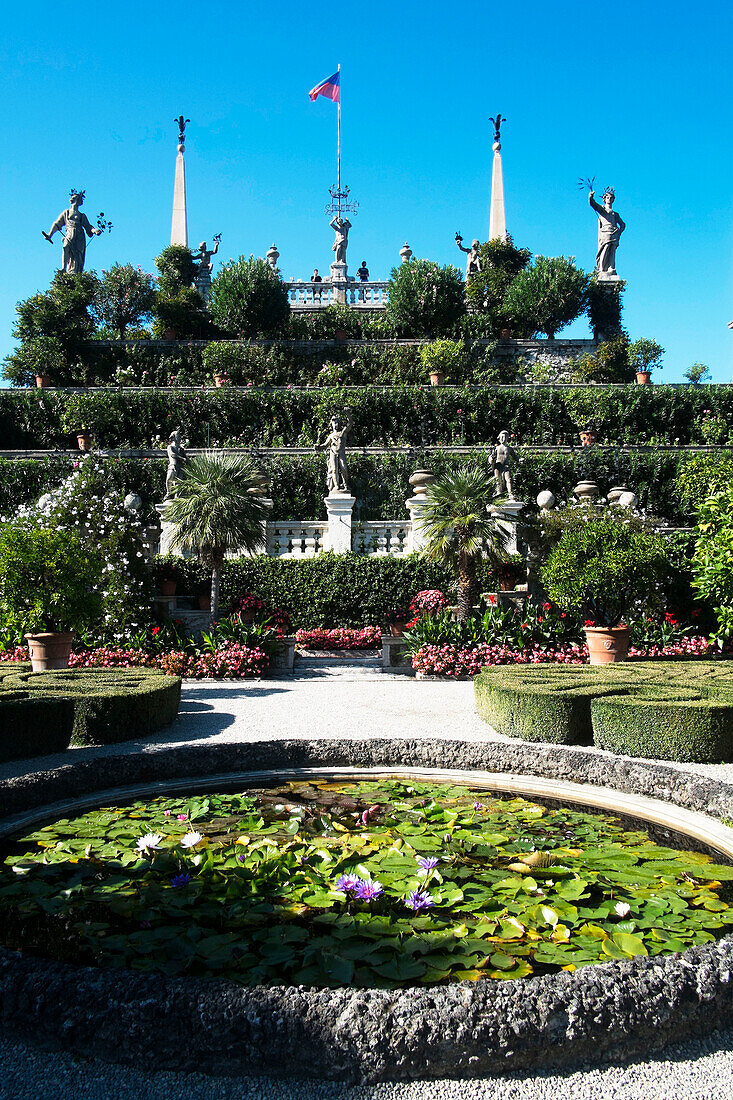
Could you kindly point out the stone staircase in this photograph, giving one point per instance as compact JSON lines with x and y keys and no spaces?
{"x":339,"y":665}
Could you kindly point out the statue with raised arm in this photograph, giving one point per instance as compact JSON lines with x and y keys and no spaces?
{"x":176,"y":451}
{"x":337,"y":474}
{"x":202,"y":257}
{"x":473,"y":258}
{"x":502,"y":457}
{"x":76,"y":227}
{"x":610,"y":227}
{"x":341,"y":227}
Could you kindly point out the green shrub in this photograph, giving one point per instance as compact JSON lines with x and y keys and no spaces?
{"x":38,"y":355}
{"x":109,"y":706}
{"x":33,"y":725}
{"x":546,"y":296}
{"x":712,"y":562}
{"x":602,"y":567}
{"x":501,"y":262}
{"x":248,"y":298}
{"x":442,"y":356}
{"x":177,"y":269}
{"x":62,"y":312}
{"x":604,"y":309}
{"x":425,"y":299}
{"x":123,"y":297}
{"x":674,"y":710}
{"x":183,"y":314}
{"x":645,"y":354}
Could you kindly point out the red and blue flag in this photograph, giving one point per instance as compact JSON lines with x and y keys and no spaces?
{"x":330,"y":88}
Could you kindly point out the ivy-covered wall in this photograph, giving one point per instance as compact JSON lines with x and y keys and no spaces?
{"x":383,"y":416}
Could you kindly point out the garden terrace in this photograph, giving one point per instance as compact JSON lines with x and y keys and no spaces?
{"x":105,"y":706}
{"x":406,"y":415}
{"x":675,"y":710}
{"x":380,"y":475}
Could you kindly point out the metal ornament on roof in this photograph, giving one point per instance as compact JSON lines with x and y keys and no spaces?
{"x":340,"y":202}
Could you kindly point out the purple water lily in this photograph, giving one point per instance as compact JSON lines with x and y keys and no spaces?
{"x":427,"y":863}
{"x":419,"y":899}
{"x":180,"y":880}
{"x":348,"y":883}
{"x":478,"y":805}
{"x":368,"y":890}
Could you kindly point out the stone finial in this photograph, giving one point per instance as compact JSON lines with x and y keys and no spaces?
{"x":406,"y":253}
{"x":272,"y":256}
{"x":546,"y":500}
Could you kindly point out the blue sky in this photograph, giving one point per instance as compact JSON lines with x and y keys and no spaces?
{"x":637,"y":94}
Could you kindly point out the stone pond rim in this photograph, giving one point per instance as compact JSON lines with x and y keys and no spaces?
{"x":599,"y":1013}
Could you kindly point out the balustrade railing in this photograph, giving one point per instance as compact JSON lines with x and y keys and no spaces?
{"x":296,"y":540}
{"x":306,"y":295}
{"x":382,"y":537}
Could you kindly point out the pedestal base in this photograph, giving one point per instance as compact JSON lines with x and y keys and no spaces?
{"x":509,"y":511}
{"x":339,"y":508}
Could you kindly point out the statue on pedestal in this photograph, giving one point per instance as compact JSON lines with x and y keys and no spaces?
{"x":610,"y":227}
{"x":176,"y":451}
{"x":76,"y":228}
{"x":502,"y":457}
{"x":202,"y":278}
{"x":341,"y":227}
{"x":337,"y":474}
{"x":473,"y":258}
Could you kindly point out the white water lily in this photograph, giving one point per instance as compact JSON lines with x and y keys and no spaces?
{"x":190,"y":840}
{"x":149,"y":842}
{"x":622,"y":908}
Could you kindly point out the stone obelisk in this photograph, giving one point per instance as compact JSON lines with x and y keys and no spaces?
{"x":179,"y":224}
{"x":497,"y":217}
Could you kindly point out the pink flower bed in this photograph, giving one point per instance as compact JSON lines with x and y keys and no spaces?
{"x":462,"y":662}
{"x":366,"y":637}
{"x":230,"y":662}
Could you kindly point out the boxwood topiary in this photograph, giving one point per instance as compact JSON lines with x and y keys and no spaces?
{"x":108,"y":706}
{"x":34,"y":724}
{"x":674,"y":710}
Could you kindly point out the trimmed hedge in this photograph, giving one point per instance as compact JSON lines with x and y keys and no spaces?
{"x":329,"y":590}
{"x":381,"y":482}
{"x":33,"y":725}
{"x":669,"y":710}
{"x":405,"y":415}
{"x":107,"y":706}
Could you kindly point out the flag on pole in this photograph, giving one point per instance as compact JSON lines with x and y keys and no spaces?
{"x":330,"y":88}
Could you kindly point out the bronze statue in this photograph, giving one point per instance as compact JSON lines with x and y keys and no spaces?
{"x":496,"y":123}
{"x":337,"y":474}
{"x":202,"y":257}
{"x":76,"y":228}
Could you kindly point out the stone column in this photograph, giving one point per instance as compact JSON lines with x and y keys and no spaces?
{"x":262,"y":547}
{"x":497,"y":217}
{"x":339,"y":280}
{"x":509,"y":511}
{"x":417,"y":539}
{"x":339,"y":507}
{"x":166,"y":532}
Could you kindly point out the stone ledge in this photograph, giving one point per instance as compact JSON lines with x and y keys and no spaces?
{"x":599,"y":1013}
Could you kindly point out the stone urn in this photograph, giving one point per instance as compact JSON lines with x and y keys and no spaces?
{"x":420,"y":481}
{"x":615,"y":492}
{"x":643,"y":378}
{"x":586,"y":492}
{"x":49,"y":649}
{"x":607,"y":644}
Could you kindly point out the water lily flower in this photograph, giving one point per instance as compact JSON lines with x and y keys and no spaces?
{"x":181,"y":817}
{"x":180,"y":880}
{"x":368,"y":890}
{"x":427,"y":863}
{"x":190,"y":840}
{"x":149,"y":842}
{"x":347,"y":883}
{"x":622,"y":908}
{"x":419,"y":899}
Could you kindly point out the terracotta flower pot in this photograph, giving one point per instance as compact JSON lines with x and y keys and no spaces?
{"x":84,"y":441}
{"x":607,"y":644}
{"x":247,"y":616}
{"x":167,"y":588}
{"x":643,"y":378}
{"x":43,"y":381}
{"x":341,"y":334}
{"x":398,"y":629}
{"x":505,"y":334}
{"x":437,"y":378}
{"x":49,"y":650}
{"x":220,"y":380}
{"x":587,"y":438}
{"x":204,"y":603}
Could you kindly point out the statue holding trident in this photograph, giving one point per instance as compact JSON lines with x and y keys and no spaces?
{"x":202,"y":257}
{"x":610,"y":227}
{"x":76,"y":228}
{"x":337,"y":474}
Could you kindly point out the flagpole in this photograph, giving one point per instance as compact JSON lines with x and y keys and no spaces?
{"x":338,"y":144}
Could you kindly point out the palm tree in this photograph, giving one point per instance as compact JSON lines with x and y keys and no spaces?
{"x":217,"y":509}
{"x":460,"y":529}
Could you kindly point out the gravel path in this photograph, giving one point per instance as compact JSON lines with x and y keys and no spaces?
{"x":353,"y":705}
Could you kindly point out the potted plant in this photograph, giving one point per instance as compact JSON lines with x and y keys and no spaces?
{"x":249,"y":608}
{"x":588,"y":437}
{"x":49,"y":588}
{"x":600,"y":569}
{"x":439,"y":357}
{"x":645,"y":356}
{"x":396,"y":620}
{"x":167,"y":575}
{"x":76,"y":415}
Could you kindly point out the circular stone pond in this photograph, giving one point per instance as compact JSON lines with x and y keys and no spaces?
{"x":357,"y":924}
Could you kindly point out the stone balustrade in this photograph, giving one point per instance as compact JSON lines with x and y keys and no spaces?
{"x":306,"y":296}
{"x":295,"y":539}
{"x":382,"y":537}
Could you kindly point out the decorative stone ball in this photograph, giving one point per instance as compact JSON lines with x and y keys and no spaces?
{"x":181,"y":148}
{"x":496,"y":147}
{"x":546,"y":499}
{"x":132,"y":502}
{"x":627,"y":500}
